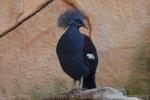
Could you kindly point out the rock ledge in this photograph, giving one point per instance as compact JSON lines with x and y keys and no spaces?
{"x":105,"y":93}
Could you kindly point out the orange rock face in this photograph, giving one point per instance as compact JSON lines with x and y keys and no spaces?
{"x":28,"y":62}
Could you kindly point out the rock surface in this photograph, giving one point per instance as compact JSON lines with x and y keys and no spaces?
{"x":105,"y":93}
{"x":28,"y":61}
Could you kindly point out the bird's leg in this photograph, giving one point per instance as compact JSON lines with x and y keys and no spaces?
{"x":81,"y":83}
{"x":73,"y":86}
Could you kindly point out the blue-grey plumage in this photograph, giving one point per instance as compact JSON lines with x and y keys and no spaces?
{"x":70,"y":52}
{"x":77,"y":54}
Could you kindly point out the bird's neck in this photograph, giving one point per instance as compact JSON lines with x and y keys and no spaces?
{"x":73,"y":26}
{"x":72,"y":34}
{"x":72,"y":37}
{"x":72,"y":30}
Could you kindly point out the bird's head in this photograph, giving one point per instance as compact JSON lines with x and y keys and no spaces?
{"x":79,"y":22}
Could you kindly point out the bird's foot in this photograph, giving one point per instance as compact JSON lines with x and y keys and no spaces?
{"x":73,"y":91}
{"x":82,"y":89}
{"x":78,"y":90}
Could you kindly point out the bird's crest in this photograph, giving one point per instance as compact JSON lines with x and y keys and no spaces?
{"x":69,"y":16}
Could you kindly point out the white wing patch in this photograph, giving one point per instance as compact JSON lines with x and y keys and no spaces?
{"x":90,"y":56}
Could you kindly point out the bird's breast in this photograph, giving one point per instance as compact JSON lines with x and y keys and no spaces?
{"x":71,"y":44}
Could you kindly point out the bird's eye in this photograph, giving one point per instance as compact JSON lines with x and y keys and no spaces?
{"x":78,"y":20}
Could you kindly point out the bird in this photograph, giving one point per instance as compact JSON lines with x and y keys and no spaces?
{"x":77,"y":55}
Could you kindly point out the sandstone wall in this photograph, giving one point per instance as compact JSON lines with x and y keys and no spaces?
{"x":28,"y":61}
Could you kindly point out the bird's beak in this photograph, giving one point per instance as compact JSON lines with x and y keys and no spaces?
{"x":85,"y":26}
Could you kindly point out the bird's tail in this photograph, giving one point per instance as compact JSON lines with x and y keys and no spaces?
{"x":89,"y":82}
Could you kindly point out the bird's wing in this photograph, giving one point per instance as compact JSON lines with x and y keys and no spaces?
{"x":90,"y":54}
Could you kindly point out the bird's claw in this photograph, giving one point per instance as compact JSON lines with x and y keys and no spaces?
{"x":78,"y":90}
